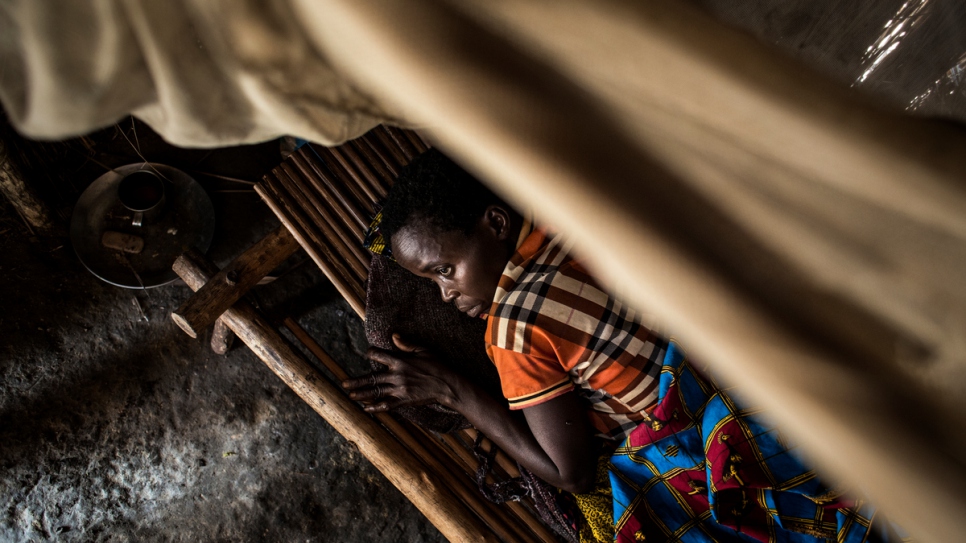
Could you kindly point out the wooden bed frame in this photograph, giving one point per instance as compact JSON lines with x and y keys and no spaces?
{"x":325,"y":199}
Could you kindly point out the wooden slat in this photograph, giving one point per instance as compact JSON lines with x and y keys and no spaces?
{"x":336,"y":274}
{"x":335,"y":232}
{"x":469,"y":463}
{"x":338,"y":184}
{"x":387,"y":144}
{"x":371,"y":141}
{"x":517,"y":528}
{"x":383,"y":175}
{"x":431,"y":495}
{"x":326,"y":196}
{"x":230,"y":284}
{"x":350,"y":212}
{"x":365,"y":172}
{"x":343,"y":178}
{"x":432,"y":458}
{"x":402,"y":142}
{"x":343,"y":163}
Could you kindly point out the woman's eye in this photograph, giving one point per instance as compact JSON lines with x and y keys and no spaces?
{"x":444,"y":270}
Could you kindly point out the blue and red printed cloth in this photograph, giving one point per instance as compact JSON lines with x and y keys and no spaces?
{"x":704,"y":469}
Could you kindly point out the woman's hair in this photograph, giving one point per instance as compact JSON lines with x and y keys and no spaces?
{"x":435,"y":189}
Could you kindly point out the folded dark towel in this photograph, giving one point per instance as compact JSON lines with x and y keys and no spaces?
{"x":400,"y":302}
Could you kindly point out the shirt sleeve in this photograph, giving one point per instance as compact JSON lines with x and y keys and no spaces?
{"x":529,"y":380}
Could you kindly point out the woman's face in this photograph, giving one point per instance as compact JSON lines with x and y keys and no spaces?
{"x":467,"y":268}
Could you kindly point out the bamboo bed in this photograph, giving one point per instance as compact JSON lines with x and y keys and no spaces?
{"x":325,"y":199}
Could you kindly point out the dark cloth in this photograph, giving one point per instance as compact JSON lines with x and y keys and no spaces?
{"x":400,"y":302}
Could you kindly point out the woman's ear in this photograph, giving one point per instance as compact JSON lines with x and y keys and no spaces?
{"x":497,"y":221}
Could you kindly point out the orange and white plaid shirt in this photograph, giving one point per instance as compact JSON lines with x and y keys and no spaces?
{"x":552,"y":329}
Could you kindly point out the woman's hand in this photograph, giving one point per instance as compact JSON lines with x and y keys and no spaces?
{"x":553,"y":439}
{"x":413,"y":377}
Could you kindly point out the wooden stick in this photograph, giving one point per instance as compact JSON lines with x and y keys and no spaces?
{"x":422,"y":487}
{"x":371,"y":140}
{"x":425,"y":145}
{"x":230,"y":284}
{"x":221,"y":337}
{"x":417,"y":142}
{"x":356,"y":298}
{"x":330,"y":171}
{"x":506,"y":518}
{"x":511,"y":470}
{"x":382,"y":175}
{"x":352,"y":271}
{"x":344,"y":178}
{"x":401,"y":142}
{"x":301,"y":189}
{"x":30,"y":208}
{"x":348,"y":211}
{"x":388,"y":144}
{"x":323,"y":176}
{"x":470,"y":465}
{"x":365,"y":172}
{"x":332,"y":272}
{"x":338,"y":237}
{"x":354,"y":177}
{"x":469,"y":495}
{"x":529,"y":518}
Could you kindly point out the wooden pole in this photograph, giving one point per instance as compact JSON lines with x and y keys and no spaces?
{"x":342,"y":162}
{"x":335,"y":272}
{"x":388,"y":144}
{"x":351,"y":213}
{"x":390,"y":162}
{"x":383,"y":176}
{"x":33,"y":212}
{"x":221,"y":337}
{"x":319,"y":213}
{"x":400,"y":141}
{"x":422,"y":487}
{"x":365,"y":171}
{"x":435,"y":459}
{"x":328,"y":170}
{"x":230,"y":284}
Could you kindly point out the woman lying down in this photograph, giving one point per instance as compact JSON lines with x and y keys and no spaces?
{"x":577,"y":367}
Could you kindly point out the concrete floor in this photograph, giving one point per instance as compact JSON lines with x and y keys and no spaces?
{"x":115,"y":426}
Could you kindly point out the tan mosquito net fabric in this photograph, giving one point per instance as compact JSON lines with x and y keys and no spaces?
{"x":799,"y":239}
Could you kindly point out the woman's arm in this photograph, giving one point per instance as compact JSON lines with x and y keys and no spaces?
{"x":554,"y":439}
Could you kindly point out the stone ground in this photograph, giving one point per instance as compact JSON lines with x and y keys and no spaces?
{"x":115,"y":426}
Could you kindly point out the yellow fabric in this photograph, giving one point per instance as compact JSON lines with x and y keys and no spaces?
{"x":597,"y":508}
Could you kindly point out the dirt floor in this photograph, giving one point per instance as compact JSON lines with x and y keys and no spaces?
{"x":115,"y":426}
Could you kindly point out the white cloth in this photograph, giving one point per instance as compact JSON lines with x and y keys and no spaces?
{"x":202,"y":73}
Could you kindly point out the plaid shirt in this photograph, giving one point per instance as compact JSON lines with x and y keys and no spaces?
{"x":551,"y":330}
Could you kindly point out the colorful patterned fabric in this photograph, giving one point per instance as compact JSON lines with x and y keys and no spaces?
{"x":597,"y":507}
{"x":704,"y":469}
{"x":375,"y":241}
{"x":552,"y":329}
